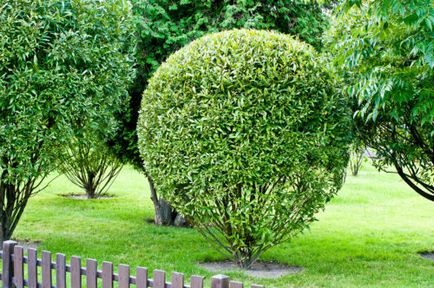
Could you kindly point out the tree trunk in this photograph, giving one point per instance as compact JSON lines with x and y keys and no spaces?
{"x":165,"y":215}
{"x":2,"y":235}
{"x":7,"y":201}
{"x":90,"y":192}
{"x":90,"y":186}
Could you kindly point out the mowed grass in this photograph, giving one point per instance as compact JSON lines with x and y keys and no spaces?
{"x":368,"y":236}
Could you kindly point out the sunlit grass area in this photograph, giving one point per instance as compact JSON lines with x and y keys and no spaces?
{"x":368,"y":236}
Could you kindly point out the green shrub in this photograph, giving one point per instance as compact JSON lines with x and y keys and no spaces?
{"x":62,"y":63}
{"x":165,"y":26}
{"x":245,"y":134}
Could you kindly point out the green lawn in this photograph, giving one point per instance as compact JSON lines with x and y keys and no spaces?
{"x":368,"y":236}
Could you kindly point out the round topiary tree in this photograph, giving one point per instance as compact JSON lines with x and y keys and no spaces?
{"x":246,"y":135}
{"x":164,"y":26}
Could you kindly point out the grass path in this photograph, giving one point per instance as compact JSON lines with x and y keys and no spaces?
{"x":368,"y":236}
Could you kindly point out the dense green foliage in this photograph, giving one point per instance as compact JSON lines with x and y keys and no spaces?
{"x":385,"y":52}
{"x":245,"y":134}
{"x":165,"y":26}
{"x":61,"y":64}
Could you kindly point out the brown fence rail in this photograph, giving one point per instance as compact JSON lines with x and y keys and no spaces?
{"x":14,"y":262}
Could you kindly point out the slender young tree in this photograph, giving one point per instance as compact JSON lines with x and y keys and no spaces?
{"x":357,"y":152}
{"x":60,"y":62}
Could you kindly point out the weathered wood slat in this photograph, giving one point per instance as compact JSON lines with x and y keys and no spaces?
{"x":60,"y":270}
{"x":46,"y":269}
{"x":75,"y":272}
{"x":196,"y":281}
{"x":220,"y":281}
{"x":177,"y":280}
{"x":32,"y":268}
{"x":91,"y":269}
{"x":141,"y":277}
{"x":159,"y":279}
{"x":8,"y":266}
{"x":18,"y":266}
{"x":235,"y":284}
{"x":124,"y":276}
{"x":107,"y":274}
{"x":257,"y":286}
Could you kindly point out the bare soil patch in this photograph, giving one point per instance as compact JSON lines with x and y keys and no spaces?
{"x":26,"y":244}
{"x":82,"y":196}
{"x":259,"y":269}
{"x":427,"y":255}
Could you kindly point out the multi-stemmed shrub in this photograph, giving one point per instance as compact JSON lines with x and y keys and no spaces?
{"x":60,"y":62}
{"x":246,"y":135}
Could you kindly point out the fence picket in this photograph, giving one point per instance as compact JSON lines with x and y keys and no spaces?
{"x":91,"y":279}
{"x":75,"y":272}
{"x":124,"y":276}
{"x":177,"y":280}
{"x":107,"y":274}
{"x":196,"y":281}
{"x":235,"y":284}
{"x":32,"y":267}
{"x":8,"y":266}
{"x":142,"y":277}
{"x":159,"y":279}
{"x":60,"y":270}
{"x":220,"y":281}
{"x":46,"y":269}
{"x":18,"y":267}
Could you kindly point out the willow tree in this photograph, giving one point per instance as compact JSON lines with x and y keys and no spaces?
{"x":59,"y":62}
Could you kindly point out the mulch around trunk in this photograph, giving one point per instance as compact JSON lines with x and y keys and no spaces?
{"x":26,"y":244}
{"x":82,"y":196}
{"x":427,"y":255}
{"x":259,"y":269}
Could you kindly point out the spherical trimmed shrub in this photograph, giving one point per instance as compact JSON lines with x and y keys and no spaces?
{"x":246,"y":135}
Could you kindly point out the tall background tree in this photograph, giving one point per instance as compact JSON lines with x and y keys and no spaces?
{"x":165,"y":26}
{"x":384,"y":50}
{"x":60,"y":61}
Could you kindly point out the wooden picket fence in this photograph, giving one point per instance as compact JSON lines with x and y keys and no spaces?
{"x":14,"y":262}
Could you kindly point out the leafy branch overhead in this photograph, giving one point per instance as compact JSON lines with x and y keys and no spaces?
{"x":384,"y":50}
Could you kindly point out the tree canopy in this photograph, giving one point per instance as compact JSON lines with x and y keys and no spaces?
{"x":61,"y":63}
{"x":165,"y":26}
{"x":384,"y":50}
